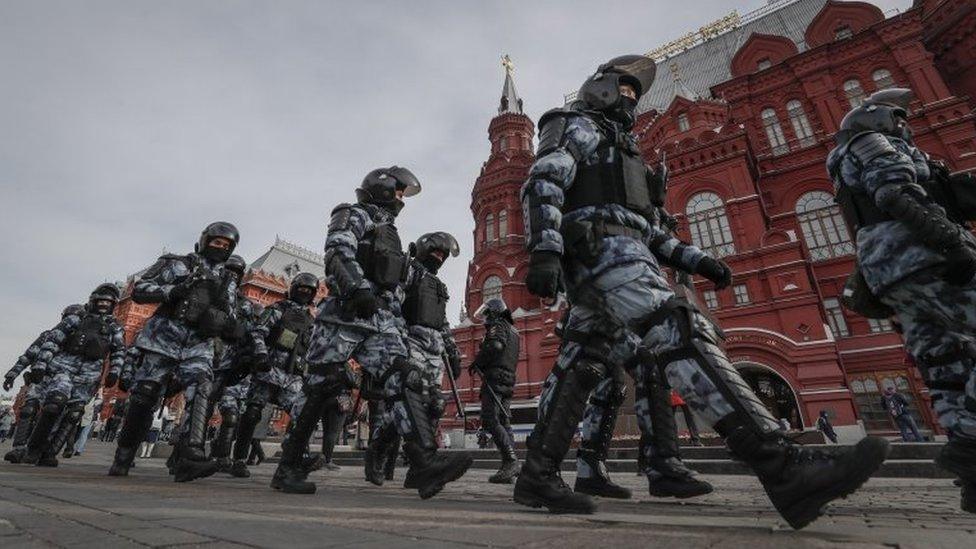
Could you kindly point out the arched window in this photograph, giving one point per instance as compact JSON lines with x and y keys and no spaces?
{"x":854,"y":92}
{"x":503,"y":224}
{"x":774,"y":132}
{"x":709,"y":225}
{"x":801,"y":126}
{"x":492,"y":288}
{"x":489,"y":229}
{"x":882,"y":79}
{"x":683,"y":124}
{"x":823,"y":227}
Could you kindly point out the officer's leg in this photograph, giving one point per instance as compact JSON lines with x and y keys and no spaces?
{"x":331,"y":425}
{"x":64,"y":433}
{"x":257,"y":398}
{"x":291,"y":472}
{"x":22,"y":430}
{"x":492,"y":420}
{"x":143,"y":397}
{"x":661,"y":459}
{"x":404,"y":384}
{"x":54,"y":404}
{"x":219,"y":446}
{"x":599,"y":421}
{"x":193,"y":463}
{"x":380,"y":427}
{"x":683,"y":344}
{"x":939,"y":323}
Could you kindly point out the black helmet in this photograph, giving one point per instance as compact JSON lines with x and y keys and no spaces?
{"x":494,"y":309}
{"x":440,"y":241}
{"x":217,"y":229}
{"x":380,"y":185}
{"x":75,"y":309}
{"x":103,"y":299}
{"x":303,"y":288}
{"x":885,"y":111}
{"x":601,"y":91}
{"x":236,"y":265}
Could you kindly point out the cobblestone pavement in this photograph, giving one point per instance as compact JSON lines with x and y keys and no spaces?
{"x":77,"y":505}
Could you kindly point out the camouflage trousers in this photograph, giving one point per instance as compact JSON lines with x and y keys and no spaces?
{"x":612,"y":311}
{"x":73,"y":377}
{"x":234,"y":396}
{"x":939,"y":324}
{"x":431,"y":363}
{"x":185,"y":374}
{"x":375,"y":348}
{"x":277,"y":387}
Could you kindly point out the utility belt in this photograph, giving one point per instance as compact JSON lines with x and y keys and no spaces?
{"x":207,"y":320}
{"x":337,"y":376}
{"x":583,"y":240}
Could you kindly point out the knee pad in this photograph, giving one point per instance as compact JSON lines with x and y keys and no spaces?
{"x":590,"y":371}
{"x":146,"y":393}
{"x":54,"y":403}
{"x":253,"y":412}
{"x":74,"y":413}
{"x":29,"y":409}
{"x":229,"y":419}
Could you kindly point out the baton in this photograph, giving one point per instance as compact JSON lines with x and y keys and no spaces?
{"x":454,"y":392}
{"x":491,"y":393}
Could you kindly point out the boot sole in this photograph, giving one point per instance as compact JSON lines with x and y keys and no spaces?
{"x":599,"y":494}
{"x":182,"y":475}
{"x":304,"y":491}
{"x":683,"y":495}
{"x":873,"y":450}
{"x":503,"y":481}
{"x":432,"y":490}
{"x":537,"y":503}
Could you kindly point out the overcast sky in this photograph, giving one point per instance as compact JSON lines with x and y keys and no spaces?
{"x":127,"y":126}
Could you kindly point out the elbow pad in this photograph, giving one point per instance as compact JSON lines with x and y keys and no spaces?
{"x":930,"y":224}
{"x":344,"y":273}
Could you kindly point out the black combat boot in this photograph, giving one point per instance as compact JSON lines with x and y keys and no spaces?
{"x":801,"y":481}
{"x":373,"y":460}
{"x":509,"y":470}
{"x":667,"y":475}
{"x":592,"y":476}
{"x":291,"y":473}
{"x":598,"y":481}
{"x":959,"y":456}
{"x":47,"y":460}
{"x":540,"y":483}
{"x":392,"y":453}
{"x":238,"y":469}
{"x":174,"y":458}
{"x":193,"y":462}
{"x":122,"y":461}
{"x":15,"y":455}
{"x":22,"y":431}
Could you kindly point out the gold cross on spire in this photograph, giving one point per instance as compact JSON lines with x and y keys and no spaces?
{"x":508,"y":64}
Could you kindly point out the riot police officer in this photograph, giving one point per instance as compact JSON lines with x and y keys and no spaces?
{"x":71,"y":359}
{"x":495,"y":363}
{"x":231,"y":365}
{"x":430,"y":344}
{"x":361,"y":320}
{"x":916,"y":260}
{"x":197,"y":303}
{"x":587,"y":206}
{"x":280,"y":339}
{"x":35,"y":391}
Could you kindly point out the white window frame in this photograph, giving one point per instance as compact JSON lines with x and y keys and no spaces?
{"x":823,"y":226}
{"x":711,"y":299}
{"x":774,"y":132}
{"x":709,"y":225}
{"x":835,"y":317}
{"x":800,"y":122}
{"x":883,"y":79}
{"x":741,"y":293}
{"x":854,"y":92}
{"x":491,"y":288}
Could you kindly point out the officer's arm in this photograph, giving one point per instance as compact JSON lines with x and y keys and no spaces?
{"x":346,"y":228}
{"x":450,"y":345}
{"x":158,"y":281}
{"x":55,"y":338}
{"x":673,"y":252}
{"x":29,"y":356}
{"x":564,"y":141}
{"x":890,"y":177}
{"x":262,"y":328}
{"x":494,"y":342}
{"x":116,"y":356}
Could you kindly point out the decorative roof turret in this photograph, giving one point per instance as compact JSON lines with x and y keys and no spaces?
{"x":510,"y":102}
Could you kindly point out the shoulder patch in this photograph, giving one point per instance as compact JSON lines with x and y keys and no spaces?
{"x":552,"y":133}
{"x":868,"y":146}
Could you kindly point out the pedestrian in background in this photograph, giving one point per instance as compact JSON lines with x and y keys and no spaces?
{"x":824,"y":426}
{"x":897,"y":406}
{"x":88,"y":420}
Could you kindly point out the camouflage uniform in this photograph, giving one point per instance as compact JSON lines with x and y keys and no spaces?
{"x":72,"y":377}
{"x":32,"y":400}
{"x":938,"y":318}
{"x":175,"y":355}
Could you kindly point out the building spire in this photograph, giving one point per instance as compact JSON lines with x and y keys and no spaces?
{"x":680,"y":88}
{"x":510,"y":102}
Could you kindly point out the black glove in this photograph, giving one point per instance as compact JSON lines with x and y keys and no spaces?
{"x":36,"y":374}
{"x":178,"y":292}
{"x":716,"y":271}
{"x":361,"y":304}
{"x":8,"y":381}
{"x":960,"y":266}
{"x":544,"y":278}
{"x":454,"y":363}
{"x":111,"y":379}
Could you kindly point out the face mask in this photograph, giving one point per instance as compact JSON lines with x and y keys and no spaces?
{"x":431,"y":263}
{"x":102,"y":307}
{"x":302,"y":296}
{"x":217,"y":255}
{"x":624,"y":112}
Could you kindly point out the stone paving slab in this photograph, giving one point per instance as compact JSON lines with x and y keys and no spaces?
{"x":77,"y":505}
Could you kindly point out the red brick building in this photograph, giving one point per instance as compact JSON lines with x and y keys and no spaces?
{"x":743,"y":112}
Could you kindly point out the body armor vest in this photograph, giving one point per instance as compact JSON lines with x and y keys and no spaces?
{"x":381,"y":256}
{"x":92,"y":338}
{"x":619,"y":176}
{"x":507,"y":360}
{"x":287,"y":333}
{"x":204,"y":306}
{"x":426,"y":303}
